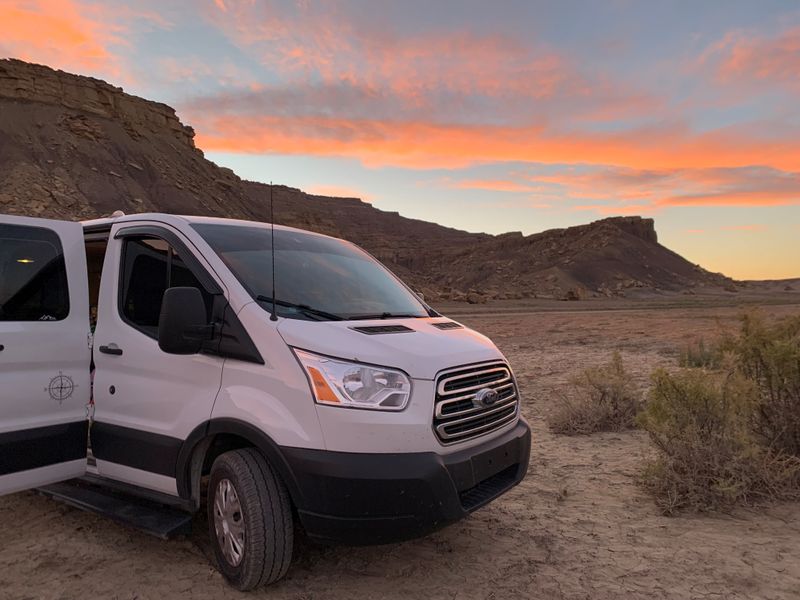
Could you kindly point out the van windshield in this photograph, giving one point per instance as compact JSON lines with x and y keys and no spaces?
{"x":316,"y":278}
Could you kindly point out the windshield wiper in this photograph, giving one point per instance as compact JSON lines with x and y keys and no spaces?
{"x":384,"y":315}
{"x":304,"y":308}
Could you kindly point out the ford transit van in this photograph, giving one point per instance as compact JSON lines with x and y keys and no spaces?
{"x":277,"y":378}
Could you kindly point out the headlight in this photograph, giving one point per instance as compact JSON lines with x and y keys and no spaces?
{"x":344,"y":383}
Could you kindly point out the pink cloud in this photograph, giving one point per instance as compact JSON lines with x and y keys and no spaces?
{"x":733,"y":198}
{"x":323,"y":45}
{"x":742,"y":56}
{"x":749,"y":186}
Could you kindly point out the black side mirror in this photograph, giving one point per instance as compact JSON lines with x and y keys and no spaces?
{"x":182,"y":325}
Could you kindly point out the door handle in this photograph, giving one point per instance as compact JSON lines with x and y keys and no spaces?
{"x":111,"y":349}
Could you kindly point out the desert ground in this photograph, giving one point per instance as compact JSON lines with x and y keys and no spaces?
{"x":577,"y":527}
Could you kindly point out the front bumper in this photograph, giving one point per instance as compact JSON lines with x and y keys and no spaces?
{"x":361,"y":499}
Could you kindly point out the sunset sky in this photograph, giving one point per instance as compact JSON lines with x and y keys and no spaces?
{"x":486,"y":116}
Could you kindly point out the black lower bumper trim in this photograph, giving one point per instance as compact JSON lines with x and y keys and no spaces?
{"x":363,"y":499}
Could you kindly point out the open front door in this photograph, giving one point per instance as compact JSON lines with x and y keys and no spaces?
{"x":44,"y":352}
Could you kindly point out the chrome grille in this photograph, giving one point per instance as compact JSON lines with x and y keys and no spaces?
{"x":457,"y":416}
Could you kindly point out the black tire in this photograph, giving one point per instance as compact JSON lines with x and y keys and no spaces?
{"x":266,"y":515}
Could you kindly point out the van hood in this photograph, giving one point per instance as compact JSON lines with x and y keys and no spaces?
{"x":421,"y":353}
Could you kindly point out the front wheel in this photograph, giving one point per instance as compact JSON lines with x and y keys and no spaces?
{"x":250,"y":520}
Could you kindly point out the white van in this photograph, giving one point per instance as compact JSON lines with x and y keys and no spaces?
{"x":151,"y":353}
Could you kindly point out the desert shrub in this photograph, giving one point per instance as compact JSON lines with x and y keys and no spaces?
{"x":698,"y":354}
{"x":768,"y":354}
{"x":606,"y":399}
{"x":707,"y":455}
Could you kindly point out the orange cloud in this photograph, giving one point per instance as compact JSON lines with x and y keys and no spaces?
{"x":495,"y":185}
{"x":429,"y":145}
{"x":617,"y":209}
{"x":71,"y":34}
{"x":338,"y":192}
{"x":58,"y":33}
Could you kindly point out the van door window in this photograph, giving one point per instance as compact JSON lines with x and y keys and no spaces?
{"x":182,"y":276}
{"x":149,"y":267}
{"x":33,"y":275}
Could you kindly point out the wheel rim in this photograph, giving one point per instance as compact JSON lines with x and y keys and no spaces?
{"x":229,"y":522}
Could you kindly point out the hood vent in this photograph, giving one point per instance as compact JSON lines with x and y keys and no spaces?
{"x":381,"y":329}
{"x":447,"y":325}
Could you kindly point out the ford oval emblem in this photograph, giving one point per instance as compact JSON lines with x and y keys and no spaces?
{"x":486,"y":397}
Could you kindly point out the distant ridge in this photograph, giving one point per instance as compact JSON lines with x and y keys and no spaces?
{"x":76,"y":147}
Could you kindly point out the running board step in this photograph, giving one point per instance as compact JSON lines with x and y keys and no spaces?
{"x":150,"y":517}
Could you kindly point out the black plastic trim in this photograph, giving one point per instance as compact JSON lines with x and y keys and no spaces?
{"x":42,"y":446}
{"x":234,"y":341}
{"x":97,"y":228}
{"x":382,"y":329}
{"x":446,"y":325}
{"x":131,"y":489}
{"x":246,"y":431}
{"x":135,"y":448}
{"x":131,"y":508}
{"x":365,"y":499}
{"x":371,"y":498}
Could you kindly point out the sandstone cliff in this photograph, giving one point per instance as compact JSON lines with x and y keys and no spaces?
{"x":76,"y":147}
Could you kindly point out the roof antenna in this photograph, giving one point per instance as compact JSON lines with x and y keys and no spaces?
{"x":273,"y":316}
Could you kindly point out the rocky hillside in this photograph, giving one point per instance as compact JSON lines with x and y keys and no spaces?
{"x":76,"y":147}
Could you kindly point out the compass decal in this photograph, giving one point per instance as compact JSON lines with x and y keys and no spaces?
{"x":61,"y":387}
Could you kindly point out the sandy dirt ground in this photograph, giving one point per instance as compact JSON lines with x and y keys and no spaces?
{"x":577,"y":527}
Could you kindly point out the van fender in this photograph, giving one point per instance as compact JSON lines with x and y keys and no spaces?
{"x":191,"y":456}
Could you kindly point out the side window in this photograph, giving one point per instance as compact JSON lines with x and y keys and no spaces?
{"x":33,"y":275}
{"x":149,"y":267}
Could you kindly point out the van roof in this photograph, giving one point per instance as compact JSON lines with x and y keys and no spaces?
{"x":177,"y":220}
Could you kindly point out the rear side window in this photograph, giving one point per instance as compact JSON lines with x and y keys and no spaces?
{"x":150,"y":266}
{"x":33,"y":275}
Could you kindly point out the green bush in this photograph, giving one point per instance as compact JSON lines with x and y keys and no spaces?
{"x":768,"y":354}
{"x":707,"y":455}
{"x":606,"y":400}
